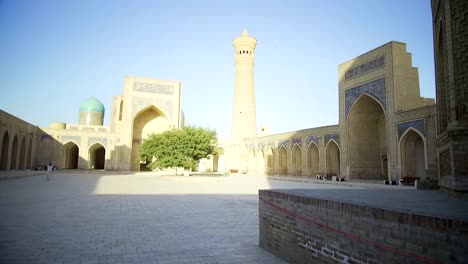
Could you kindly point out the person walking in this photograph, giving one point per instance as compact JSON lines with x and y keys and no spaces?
{"x":50,"y":167}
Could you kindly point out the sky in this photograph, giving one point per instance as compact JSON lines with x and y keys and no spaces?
{"x":55,"y":54}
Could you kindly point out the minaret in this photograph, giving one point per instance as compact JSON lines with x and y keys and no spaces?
{"x":244,"y":120}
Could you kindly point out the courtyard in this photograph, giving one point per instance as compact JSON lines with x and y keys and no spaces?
{"x":80,"y":217}
{"x":87,"y":217}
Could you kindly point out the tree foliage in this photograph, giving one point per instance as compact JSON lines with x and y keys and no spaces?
{"x":178,"y":147}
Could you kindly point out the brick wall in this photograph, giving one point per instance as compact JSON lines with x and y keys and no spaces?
{"x":309,"y":230}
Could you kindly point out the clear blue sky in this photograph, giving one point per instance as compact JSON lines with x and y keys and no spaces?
{"x":55,"y":54}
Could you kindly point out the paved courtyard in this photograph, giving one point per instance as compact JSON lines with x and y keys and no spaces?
{"x":134,"y":218}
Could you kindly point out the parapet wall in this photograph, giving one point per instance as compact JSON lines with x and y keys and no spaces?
{"x":301,"y":229}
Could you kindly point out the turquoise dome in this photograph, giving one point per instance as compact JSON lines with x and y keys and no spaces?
{"x":92,"y":104}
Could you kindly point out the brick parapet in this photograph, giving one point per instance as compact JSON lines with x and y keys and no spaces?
{"x":311,"y":229}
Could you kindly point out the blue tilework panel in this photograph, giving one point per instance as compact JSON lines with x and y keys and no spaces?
{"x":375,"y":89}
{"x":365,"y":68}
{"x":284,"y":143}
{"x":296,"y":141}
{"x":418,"y":125}
{"x":315,"y":139}
{"x":335,"y":137}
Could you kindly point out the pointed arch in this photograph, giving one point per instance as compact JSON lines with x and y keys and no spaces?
{"x":252,"y":162}
{"x":22,"y":153}
{"x":367,"y":139}
{"x":29,"y":154}
{"x":271,"y":157}
{"x":313,"y":159}
{"x":260,"y":162}
{"x":296,"y":160}
{"x":283,"y":160}
{"x":96,"y":156}
{"x":219,"y":161}
{"x":147,"y":121}
{"x":332,"y":150}
{"x":14,"y":154}
{"x":5,"y":151}
{"x":413,"y":154}
{"x":359,"y":98}
{"x":70,"y":155}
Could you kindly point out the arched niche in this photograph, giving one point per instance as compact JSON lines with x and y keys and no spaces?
{"x":219,"y":161}
{"x":297,"y":160}
{"x":367,"y":139}
{"x":14,"y":154}
{"x":271,"y":170}
{"x":283,"y":161}
{"x":333,"y":158}
{"x":260,"y":162}
{"x":5,"y":148}
{"x":312,"y":159}
{"x":252,"y":162}
{"x":22,"y":153}
{"x":148,"y":121}
{"x":413,"y":154}
{"x":70,"y":155}
{"x":96,"y":156}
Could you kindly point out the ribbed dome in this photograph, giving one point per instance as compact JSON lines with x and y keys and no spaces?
{"x":92,"y":104}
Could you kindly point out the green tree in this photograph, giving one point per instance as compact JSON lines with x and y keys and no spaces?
{"x":178,"y":147}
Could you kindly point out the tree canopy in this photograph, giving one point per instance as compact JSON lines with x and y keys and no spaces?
{"x":178,"y":147}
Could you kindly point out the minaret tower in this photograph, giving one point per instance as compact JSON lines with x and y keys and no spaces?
{"x":244,"y":120}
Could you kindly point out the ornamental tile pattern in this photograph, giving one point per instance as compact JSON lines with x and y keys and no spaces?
{"x":315,"y":139}
{"x":375,"y":89}
{"x":93,"y":140}
{"x":418,"y":125}
{"x":296,"y":141}
{"x":75,"y":139}
{"x":283,"y":143}
{"x":335,"y":137}
{"x":365,"y":68}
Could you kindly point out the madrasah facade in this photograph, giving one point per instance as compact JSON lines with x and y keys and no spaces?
{"x":386,"y":131}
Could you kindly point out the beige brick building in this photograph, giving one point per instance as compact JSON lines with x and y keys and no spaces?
{"x":386,"y":130}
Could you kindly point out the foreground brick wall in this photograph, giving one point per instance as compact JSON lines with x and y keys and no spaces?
{"x":310,"y":230}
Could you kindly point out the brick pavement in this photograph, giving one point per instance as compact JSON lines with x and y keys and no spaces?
{"x":99,"y":218}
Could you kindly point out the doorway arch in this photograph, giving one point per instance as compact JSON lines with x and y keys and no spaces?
{"x":70,"y":155}
{"x":297,"y":160}
{"x":29,"y":154}
{"x":96,"y":157}
{"x":367,"y":139}
{"x":219,"y":162}
{"x":260,"y":162}
{"x":271,"y":170}
{"x":251,"y":168}
{"x":413,"y":154}
{"x":148,"y":121}
{"x":14,"y":153}
{"x":333,"y":158}
{"x":312,"y":159}
{"x":5,"y":147}
{"x":283,"y":161}
{"x":22,"y":153}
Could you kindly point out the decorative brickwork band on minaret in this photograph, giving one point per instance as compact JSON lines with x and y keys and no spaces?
{"x":244,"y":121}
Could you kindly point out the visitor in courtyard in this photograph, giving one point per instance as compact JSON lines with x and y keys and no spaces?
{"x":50,"y":167}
